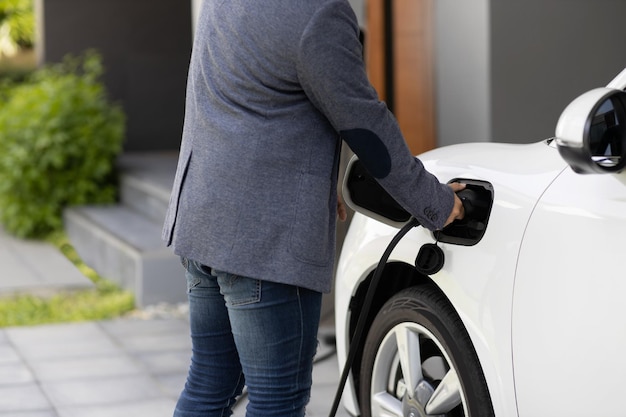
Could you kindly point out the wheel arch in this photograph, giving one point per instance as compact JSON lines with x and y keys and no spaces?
{"x":396,"y":277}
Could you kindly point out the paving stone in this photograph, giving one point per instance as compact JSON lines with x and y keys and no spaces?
{"x":154,"y":343}
{"x":61,"y":341}
{"x":35,"y":266}
{"x":322,"y":400}
{"x":165,"y":362}
{"x":15,"y":373}
{"x":85,"y":368}
{"x":172,"y":384}
{"x":45,"y":413}
{"x":16,"y":273}
{"x":101,"y":392}
{"x":122,"y":328}
{"x":22,"y":398}
{"x":8,"y":354}
{"x":326,"y":370}
{"x":151,"y":408}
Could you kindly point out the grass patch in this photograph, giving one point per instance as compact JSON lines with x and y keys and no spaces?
{"x":105,"y":301}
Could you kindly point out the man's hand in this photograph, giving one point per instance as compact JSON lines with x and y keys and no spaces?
{"x":458,"y":211}
{"x":342,"y":214}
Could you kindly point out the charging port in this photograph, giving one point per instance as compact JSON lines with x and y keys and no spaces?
{"x":477,"y":198}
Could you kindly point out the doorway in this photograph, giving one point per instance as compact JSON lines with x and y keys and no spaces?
{"x":399,"y":60}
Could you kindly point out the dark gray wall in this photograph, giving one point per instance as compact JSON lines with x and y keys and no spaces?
{"x":544,"y":54}
{"x":146,"y":45}
{"x":507,"y":68}
{"x":462,"y":73}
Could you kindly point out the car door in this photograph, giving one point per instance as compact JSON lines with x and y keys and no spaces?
{"x":569,"y":310}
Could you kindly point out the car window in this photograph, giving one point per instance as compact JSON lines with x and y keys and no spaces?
{"x":604,"y":140}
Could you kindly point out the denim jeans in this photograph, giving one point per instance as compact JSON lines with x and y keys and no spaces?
{"x":246,"y":331}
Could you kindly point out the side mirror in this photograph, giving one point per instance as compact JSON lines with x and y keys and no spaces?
{"x":363,"y":194}
{"x":591,"y":132}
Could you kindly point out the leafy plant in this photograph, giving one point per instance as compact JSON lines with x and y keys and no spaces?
{"x":59,"y":136}
{"x":29,"y":310}
{"x":17,"y":25}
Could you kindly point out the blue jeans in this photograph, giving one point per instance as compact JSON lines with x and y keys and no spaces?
{"x":246,"y":331}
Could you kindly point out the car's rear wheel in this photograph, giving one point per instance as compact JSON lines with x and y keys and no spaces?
{"x":419,"y":361}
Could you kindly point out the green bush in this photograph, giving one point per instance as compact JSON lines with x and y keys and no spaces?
{"x":17,"y":25}
{"x":59,"y":137}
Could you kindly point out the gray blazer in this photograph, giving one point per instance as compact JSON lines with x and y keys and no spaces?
{"x":273,"y":88}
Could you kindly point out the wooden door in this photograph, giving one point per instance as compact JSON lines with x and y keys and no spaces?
{"x":399,"y":59}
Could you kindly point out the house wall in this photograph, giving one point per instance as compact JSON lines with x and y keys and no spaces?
{"x":462,"y":71}
{"x":505,"y":69}
{"x":145,"y":44}
{"x":544,"y":53}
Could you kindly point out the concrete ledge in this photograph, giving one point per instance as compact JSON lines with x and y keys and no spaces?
{"x":36,"y":268}
{"x":126,"y":247}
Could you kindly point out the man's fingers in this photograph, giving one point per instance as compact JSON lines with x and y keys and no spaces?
{"x":456,"y":186}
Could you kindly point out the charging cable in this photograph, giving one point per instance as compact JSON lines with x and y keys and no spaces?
{"x":367,"y":304}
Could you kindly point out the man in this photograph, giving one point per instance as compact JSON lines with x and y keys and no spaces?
{"x":274,"y":87}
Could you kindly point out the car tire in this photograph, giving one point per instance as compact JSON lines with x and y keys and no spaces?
{"x":436,"y":358}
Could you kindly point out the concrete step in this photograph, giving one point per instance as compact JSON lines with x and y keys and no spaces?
{"x":146,"y":182}
{"x":125,"y":247}
{"x":122,"y":242}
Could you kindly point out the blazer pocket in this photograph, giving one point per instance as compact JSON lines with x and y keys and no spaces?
{"x":310,"y":231}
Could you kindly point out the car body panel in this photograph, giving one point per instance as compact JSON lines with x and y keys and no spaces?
{"x":479,"y":279}
{"x":569,"y":300}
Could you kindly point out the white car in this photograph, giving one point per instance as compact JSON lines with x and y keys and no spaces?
{"x":518,"y":310}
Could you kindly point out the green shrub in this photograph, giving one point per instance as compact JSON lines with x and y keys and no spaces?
{"x":59,"y":137}
{"x":96,"y":304}
{"x":17,"y":25}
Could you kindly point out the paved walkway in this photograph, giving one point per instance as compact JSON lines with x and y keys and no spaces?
{"x":35,"y":267}
{"x":125,"y":367}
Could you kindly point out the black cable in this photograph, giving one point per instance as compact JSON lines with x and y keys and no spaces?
{"x":367,"y":304}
